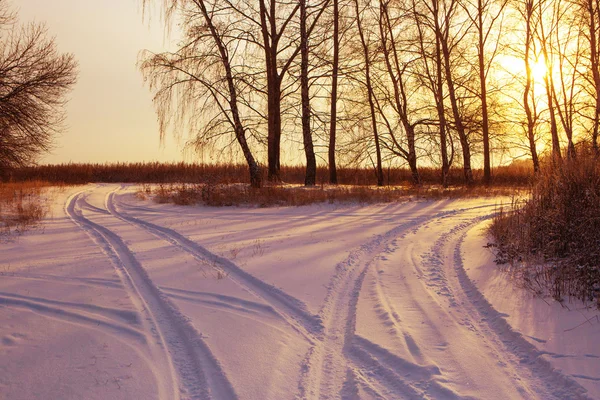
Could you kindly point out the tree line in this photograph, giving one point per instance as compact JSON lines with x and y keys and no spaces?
{"x":412,"y":82}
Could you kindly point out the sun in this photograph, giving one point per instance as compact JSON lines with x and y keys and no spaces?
{"x":516,"y":66}
{"x":539,"y":70}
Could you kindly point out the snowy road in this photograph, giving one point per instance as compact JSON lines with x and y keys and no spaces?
{"x":123,"y":298}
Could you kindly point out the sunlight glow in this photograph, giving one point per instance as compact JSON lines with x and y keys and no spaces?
{"x":539,"y":70}
{"x":516,"y":67}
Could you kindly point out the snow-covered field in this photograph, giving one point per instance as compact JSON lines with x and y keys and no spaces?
{"x":121,"y":298}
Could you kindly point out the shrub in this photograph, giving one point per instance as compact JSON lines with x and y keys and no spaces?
{"x":552,"y":239}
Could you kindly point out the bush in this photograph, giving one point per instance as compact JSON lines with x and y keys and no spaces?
{"x":552,"y":240}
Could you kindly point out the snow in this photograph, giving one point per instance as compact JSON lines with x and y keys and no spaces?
{"x":122,"y":298}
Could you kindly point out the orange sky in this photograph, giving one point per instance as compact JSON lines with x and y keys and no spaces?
{"x":110,"y":114}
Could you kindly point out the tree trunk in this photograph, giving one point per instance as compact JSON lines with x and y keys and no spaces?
{"x":441,"y":111}
{"x":311,"y":162}
{"x":379,"y":167}
{"x":464,"y":142}
{"x":412,"y":156}
{"x":274,"y":131}
{"x":270,"y":41}
{"x":595,"y":67}
{"x":334,"y":83}
{"x":487,"y":170}
{"x":548,"y":82}
{"x":531,"y":118}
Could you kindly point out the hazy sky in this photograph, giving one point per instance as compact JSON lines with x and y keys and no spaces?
{"x":110,"y":113}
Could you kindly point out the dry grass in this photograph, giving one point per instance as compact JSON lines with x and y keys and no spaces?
{"x":515,"y":175}
{"x":22,"y":206}
{"x":552,"y":239}
{"x":219,"y":195}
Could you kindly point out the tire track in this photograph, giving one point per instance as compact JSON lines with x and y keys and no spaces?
{"x":330,"y":362}
{"x":123,"y":316}
{"x":194,"y":372}
{"x":443,"y":271}
{"x":335,"y":360}
{"x":497,"y":330}
{"x":290,"y":309}
{"x":83,"y":319}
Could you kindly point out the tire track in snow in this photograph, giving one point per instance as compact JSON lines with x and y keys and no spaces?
{"x":290,"y":309}
{"x":362,"y":358}
{"x":66,"y":280}
{"x":195,"y":372}
{"x":498,"y":330}
{"x":393,"y":374}
{"x":87,"y":320}
{"x":113,"y":314}
{"x":443,"y":271}
{"x":423,"y":319}
{"x":327,"y":368}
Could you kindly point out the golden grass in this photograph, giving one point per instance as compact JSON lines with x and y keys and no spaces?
{"x":551,"y":240}
{"x":22,"y":206}
{"x":219,"y":195}
{"x":154,"y":172}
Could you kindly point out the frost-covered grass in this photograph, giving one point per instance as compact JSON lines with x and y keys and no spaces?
{"x":552,"y":238}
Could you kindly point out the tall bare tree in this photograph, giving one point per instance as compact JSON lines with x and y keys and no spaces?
{"x":590,"y":22}
{"x":484,"y":15}
{"x":396,"y":68}
{"x":364,"y":41}
{"x":567,"y":46}
{"x":275,"y":18}
{"x":334,"y":92}
{"x":528,"y":12}
{"x":200,"y":78}
{"x":445,"y":22}
{"x":311,"y":161}
{"x":430,"y":53}
{"x":545,"y":31}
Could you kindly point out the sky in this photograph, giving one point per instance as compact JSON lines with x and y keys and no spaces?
{"x":110,"y":116}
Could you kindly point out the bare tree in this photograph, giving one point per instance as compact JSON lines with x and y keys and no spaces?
{"x":484,"y":14}
{"x":528,"y":11}
{"x":566,"y":93}
{"x":397,"y":71}
{"x":334,"y":92}
{"x":34,"y":79}
{"x":546,"y":44}
{"x":590,"y":24}
{"x":445,"y":22}
{"x":433,"y":73}
{"x":200,"y":78}
{"x":274,"y":19}
{"x":369,"y":88}
{"x":311,"y":161}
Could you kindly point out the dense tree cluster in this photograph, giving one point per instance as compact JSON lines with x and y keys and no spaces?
{"x":382,"y":82}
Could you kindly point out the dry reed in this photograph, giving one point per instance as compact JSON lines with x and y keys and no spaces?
{"x":552,"y":239}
